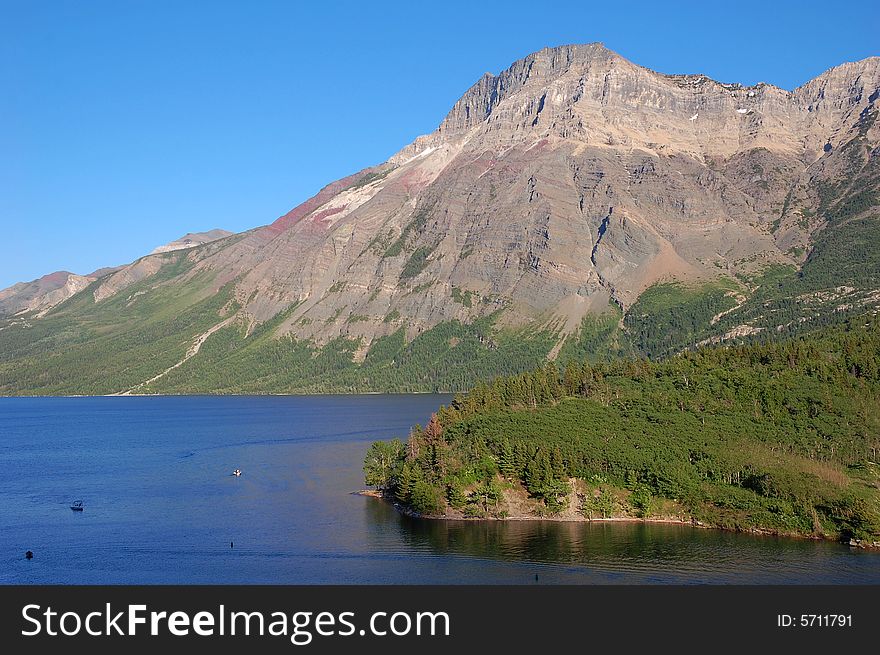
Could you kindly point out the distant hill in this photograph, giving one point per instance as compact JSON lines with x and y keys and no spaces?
{"x":192,"y":239}
{"x":39,"y":296}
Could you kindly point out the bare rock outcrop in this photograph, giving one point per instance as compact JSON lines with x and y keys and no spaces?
{"x":570,"y":180}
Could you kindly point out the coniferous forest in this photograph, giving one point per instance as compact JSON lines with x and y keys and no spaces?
{"x":779,"y":437}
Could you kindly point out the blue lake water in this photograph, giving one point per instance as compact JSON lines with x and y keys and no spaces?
{"x":161,"y":506}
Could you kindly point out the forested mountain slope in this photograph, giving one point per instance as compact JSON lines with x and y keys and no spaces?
{"x":575,"y":205}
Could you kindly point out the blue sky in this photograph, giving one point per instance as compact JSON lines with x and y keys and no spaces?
{"x":124,"y":125}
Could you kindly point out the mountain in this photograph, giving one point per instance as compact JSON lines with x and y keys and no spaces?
{"x":41,"y":295}
{"x":192,"y":239}
{"x":575,"y":205}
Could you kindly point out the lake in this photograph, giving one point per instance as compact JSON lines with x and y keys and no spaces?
{"x":161,"y":506}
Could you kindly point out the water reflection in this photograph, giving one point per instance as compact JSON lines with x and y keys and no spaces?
{"x":633,"y":551}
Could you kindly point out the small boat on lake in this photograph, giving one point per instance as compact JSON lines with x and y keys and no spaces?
{"x":237,"y":473}
{"x":77,"y":506}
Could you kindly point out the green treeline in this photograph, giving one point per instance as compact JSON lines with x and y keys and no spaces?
{"x":780,"y":436}
{"x":670,"y":317}
{"x":451,"y":355}
{"x":84,"y":347}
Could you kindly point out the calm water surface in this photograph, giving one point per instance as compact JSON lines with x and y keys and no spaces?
{"x":161,"y":506}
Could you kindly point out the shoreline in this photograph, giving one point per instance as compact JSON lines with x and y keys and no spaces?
{"x":692,"y":522}
{"x":209,"y":394}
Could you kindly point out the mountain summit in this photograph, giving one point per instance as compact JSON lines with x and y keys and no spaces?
{"x":573,"y":190}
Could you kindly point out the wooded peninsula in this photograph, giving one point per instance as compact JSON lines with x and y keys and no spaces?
{"x":779,"y":437}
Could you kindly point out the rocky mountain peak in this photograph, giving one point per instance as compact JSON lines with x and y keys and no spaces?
{"x":556,"y":191}
{"x":536,"y":69}
{"x":593,"y":95}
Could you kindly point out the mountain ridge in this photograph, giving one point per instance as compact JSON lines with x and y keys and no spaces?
{"x":192,"y":239}
{"x":553,"y":197}
{"x":52,"y":289}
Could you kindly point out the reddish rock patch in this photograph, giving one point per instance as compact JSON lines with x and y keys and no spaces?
{"x":58,"y":277}
{"x":300,"y":211}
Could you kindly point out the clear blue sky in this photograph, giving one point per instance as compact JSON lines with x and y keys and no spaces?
{"x":124,"y":125}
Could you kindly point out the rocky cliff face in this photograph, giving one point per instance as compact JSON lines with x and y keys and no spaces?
{"x":572,"y":181}
{"x":573,"y":178}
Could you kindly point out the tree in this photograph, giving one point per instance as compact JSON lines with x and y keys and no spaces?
{"x":455,"y":496}
{"x":489,"y":493}
{"x":433,"y":431}
{"x":507,"y":461}
{"x":382,"y":460}
{"x":406,"y":480}
{"x":558,"y":464}
{"x":601,"y":502}
{"x":640,"y":499}
{"x":571,"y":378}
{"x":426,"y":498}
